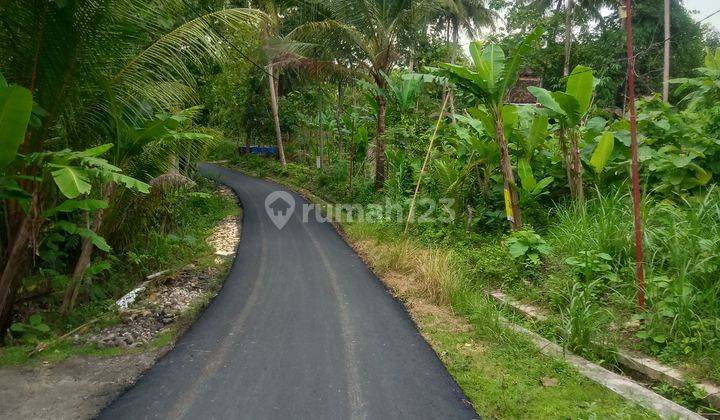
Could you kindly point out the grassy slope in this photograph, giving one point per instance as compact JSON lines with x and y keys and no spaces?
{"x":500,"y":371}
{"x":184,"y":243}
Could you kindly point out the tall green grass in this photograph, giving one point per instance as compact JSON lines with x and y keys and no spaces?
{"x":682,"y":260}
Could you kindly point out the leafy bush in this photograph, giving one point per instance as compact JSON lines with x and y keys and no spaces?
{"x":590,"y":265}
{"x":528,"y":246}
{"x":32,"y":331}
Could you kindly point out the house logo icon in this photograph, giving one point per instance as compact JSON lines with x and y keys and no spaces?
{"x":279,"y":206}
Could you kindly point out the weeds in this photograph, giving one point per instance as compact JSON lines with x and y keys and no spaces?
{"x":582,"y":319}
{"x":433,"y":271}
{"x":683,"y":263}
{"x":528,"y":247}
{"x":582,"y":267}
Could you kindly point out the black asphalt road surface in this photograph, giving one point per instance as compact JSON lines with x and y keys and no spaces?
{"x":301,"y":329}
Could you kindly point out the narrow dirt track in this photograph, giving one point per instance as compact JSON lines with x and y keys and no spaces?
{"x":301,"y":329}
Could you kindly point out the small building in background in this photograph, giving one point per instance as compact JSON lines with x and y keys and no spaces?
{"x":519,"y":93}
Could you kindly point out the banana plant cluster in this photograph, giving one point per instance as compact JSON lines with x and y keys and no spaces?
{"x":488,"y":81}
{"x":477,"y":150}
{"x":528,"y":130}
{"x":16,"y":105}
{"x":72,"y":190}
{"x":570,"y":110}
{"x":73,"y":173}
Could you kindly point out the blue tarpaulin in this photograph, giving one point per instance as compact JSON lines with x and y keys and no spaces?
{"x":260,"y":150}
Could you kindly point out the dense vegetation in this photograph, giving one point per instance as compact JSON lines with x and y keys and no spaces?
{"x":101,"y":99}
{"x":565,"y":162}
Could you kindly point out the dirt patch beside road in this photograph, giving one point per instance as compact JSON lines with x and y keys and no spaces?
{"x":75,"y":388}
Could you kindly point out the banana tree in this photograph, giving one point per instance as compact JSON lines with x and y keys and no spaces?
{"x":489,"y":82}
{"x":75,"y":174}
{"x":405,"y":91}
{"x":15,"y":109}
{"x":570,"y":110}
{"x":530,"y":135}
{"x":478,"y":150}
{"x":470,"y":156}
{"x":155,"y":146}
{"x":86,"y":52}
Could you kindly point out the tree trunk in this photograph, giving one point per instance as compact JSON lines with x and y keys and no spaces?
{"x":486,"y":184}
{"x":567,"y":160}
{"x":351,"y":156}
{"x":468,"y":221}
{"x":510,"y":191}
{"x":338,"y":114}
{"x":568,"y":36}
{"x":380,"y":144}
{"x":272,"y":81}
{"x":86,"y":253}
{"x":248,"y":138}
{"x":573,"y":164}
{"x":18,"y":255}
{"x":453,"y":57}
{"x":320,"y":132}
{"x":577,"y":168}
{"x":666,"y":54}
{"x":83,"y":262}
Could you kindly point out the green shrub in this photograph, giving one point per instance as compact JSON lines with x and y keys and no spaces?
{"x":590,"y":265}
{"x":527,"y":246}
{"x":32,"y":331}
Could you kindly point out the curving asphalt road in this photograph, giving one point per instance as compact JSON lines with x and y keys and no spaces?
{"x":301,"y":329}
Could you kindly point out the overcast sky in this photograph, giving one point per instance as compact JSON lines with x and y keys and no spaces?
{"x":704,"y":8}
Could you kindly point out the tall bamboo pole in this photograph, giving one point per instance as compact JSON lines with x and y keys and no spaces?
{"x":634,"y":152}
{"x":411,"y":213}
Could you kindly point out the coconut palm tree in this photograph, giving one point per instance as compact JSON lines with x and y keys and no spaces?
{"x":273,"y":46}
{"x":95,"y":66}
{"x":281,"y":50}
{"x":468,"y":15}
{"x":371,"y":29}
{"x":591,"y":7}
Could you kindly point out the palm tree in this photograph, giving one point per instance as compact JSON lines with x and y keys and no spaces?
{"x":590,"y":7}
{"x":272,"y":45}
{"x":93,"y":67}
{"x":282,"y":51}
{"x":371,"y":28}
{"x":470,"y":15}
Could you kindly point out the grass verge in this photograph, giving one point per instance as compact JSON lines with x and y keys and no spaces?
{"x":502,"y":372}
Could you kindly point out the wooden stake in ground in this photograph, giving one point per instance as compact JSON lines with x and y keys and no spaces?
{"x":634,"y":152}
{"x":411,"y":213}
